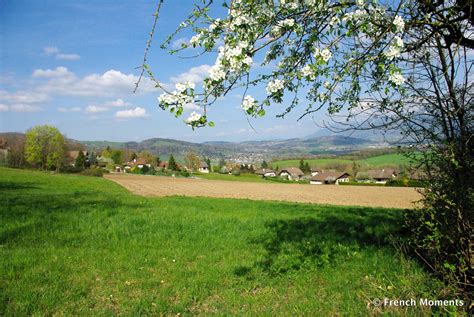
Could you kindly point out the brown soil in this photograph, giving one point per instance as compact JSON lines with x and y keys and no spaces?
{"x":371,"y":196}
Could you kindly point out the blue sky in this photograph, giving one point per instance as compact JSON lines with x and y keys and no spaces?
{"x":72,"y":64}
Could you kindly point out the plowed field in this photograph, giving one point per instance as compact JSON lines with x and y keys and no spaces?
{"x":371,"y":196}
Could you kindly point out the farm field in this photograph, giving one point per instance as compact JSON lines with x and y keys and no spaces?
{"x":76,"y":245}
{"x":386,"y":160}
{"x":388,"y":197}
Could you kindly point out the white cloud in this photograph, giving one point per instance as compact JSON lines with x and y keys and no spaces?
{"x":111,"y":83}
{"x":72,"y":109}
{"x":195,"y":75}
{"x":56,"y":52}
{"x":25,"y":108}
{"x":3,"y":107}
{"x":68,"y":57}
{"x":50,"y":50}
{"x":52,"y":73}
{"x":117,"y":103}
{"x":96,"y":109}
{"x":138,"y":112}
{"x":23,"y":97}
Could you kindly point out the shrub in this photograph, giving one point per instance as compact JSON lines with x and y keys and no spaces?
{"x":97,"y":172}
{"x":67,"y":169}
{"x":184,"y":173}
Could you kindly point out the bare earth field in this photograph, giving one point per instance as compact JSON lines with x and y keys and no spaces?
{"x":370,"y":196}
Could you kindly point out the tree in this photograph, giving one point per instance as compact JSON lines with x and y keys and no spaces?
{"x":80,"y":161}
{"x":302,"y":167}
{"x":172,"y":163}
{"x":192,"y":161}
{"x":45,"y":147}
{"x":264,"y":164}
{"x":307,"y":168}
{"x":208,"y":162}
{"x":157,"y":161}
{"x":92,"y":159}
{"x":401,"y":65}
{"x":116,"y":156}
{"x":222,"y":163}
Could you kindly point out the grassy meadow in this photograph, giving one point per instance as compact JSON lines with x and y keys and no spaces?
{"x":77,"y":245}
{"x":386,"y":160}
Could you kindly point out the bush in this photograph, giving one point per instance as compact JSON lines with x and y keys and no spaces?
{"x":67,"y":169}
{"x":406,"y":183}
{"x":184,"y":173}
{"x":96,"y":172}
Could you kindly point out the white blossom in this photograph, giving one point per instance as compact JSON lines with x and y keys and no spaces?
{"x":327,"y":85}
{"x":275,"y":86}
{"x":195,"y":40}
{"x":248,"y":102}
{"x":396,"y":78}
{"x":395,"y":48}
{"x":216,"y":73}
{"x":307,"y":71}
{"x":193,"y":117}
{"x":334,"y":21}
{"x":399,"y":23}
{"x":182,"y":87}
{"x":325,"y":54}
{"x":360,"y":3}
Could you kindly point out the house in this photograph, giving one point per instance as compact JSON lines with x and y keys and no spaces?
{"x":104,"y":161}
{"x":292,"y":173}
{"x":163,"y":165}
{"x":325,"y":177}
{"x":265,"y":172}
{"x":382,"y":176}
{"x":139,"y":163}
{"x":315,"y":171}
{"x":71,"y":156}
{"x":203,"y":168}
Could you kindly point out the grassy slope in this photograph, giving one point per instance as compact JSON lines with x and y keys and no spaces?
{"x":85,"y":246}
{"x":386,"y":160}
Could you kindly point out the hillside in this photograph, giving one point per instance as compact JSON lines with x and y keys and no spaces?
{"x":247,"y":151}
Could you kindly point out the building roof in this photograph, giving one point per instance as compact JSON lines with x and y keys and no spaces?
{"x":325,"y":176}
{"x":203,"y":165}
{"x":381,"y":174}
{"x":141,"y":161}
{"x":294,"y":171}
{"x":74,"y":154}
{"x":263,"y":171}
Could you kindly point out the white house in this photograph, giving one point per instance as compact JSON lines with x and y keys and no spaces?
{"x":265,"y":172}
{"x":329,"y":178}
{"x":203,"y":168}
{"x":292,"y":173}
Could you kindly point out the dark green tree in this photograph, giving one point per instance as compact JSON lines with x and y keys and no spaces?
{"x":307,"y":168}
{"x":264,"y":164}
{"x":172,"y":163}
{"x":80,"y":162}
{"x":302,"y":168}
{"x":208,"y":162}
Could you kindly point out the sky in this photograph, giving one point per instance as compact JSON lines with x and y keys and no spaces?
{"x":73,"y":65}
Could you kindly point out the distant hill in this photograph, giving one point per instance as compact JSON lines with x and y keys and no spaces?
{"x":238,"y":151}
{"x":247,"y":150}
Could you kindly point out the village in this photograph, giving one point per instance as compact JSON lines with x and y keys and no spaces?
{"x":194,"y":166}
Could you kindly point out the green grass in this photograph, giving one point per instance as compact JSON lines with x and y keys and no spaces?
{"x":77,"y":245}
{"x":386,"y":160}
